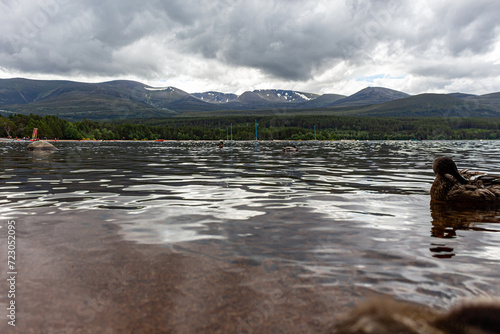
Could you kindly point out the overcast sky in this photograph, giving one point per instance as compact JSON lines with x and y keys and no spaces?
{"x":317,"y":46}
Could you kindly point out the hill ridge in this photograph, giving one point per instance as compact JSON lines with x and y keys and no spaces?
{"x":128,"y":99}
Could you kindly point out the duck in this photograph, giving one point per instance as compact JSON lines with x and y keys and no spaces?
{"x":221,"y":144}
{"x":389,"y":315}
{"x":290,"y":149}
{"x":451,"y":185}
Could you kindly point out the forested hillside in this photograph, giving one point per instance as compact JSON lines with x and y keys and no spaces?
{"x":243,"y":128}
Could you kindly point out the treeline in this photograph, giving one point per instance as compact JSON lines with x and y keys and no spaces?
{"x":243,"y":128}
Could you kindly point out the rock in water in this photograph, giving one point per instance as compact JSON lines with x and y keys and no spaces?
{"x":41,"y":145}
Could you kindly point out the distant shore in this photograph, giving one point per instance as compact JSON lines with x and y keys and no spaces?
{"x":159,"y":141}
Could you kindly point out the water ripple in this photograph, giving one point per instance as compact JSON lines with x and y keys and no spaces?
{"x":349,"y":213}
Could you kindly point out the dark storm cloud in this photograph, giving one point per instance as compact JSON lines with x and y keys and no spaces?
{"x":283,"y":39}
{"x":289,"y":38}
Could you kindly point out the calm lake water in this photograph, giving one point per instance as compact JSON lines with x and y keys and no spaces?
{"x":329,"y":224}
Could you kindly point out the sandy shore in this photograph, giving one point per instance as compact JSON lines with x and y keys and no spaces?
{"x":172,"y":141}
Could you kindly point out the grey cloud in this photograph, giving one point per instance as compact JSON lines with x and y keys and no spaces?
{"x":282,"y":38}
{"x":475,"y":29}
{"x":287,"y":40}
{"x":457,"y":70}
{"x":72,"y":37}
{"x":277,"y":37}
{"x":455,"y":27}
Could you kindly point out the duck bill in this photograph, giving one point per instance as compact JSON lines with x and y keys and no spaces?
{"x":459,"y":177}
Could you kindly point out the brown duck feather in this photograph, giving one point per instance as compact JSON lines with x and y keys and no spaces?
{"x":386,"y":315}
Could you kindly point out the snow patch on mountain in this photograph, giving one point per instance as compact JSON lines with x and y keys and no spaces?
{"x":156,"y":89}
{"x":303,"y":96}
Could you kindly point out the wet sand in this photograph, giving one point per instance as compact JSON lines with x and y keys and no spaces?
{"x":80,"y":276}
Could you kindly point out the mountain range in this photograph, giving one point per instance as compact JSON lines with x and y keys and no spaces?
{"x":131,"y":100}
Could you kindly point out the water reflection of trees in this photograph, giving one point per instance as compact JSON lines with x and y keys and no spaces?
{"x":448,"y":218}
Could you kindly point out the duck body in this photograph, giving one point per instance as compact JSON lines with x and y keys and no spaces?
{"x":462,"y":186}
{"x":290,"y":149}
{"x":387,"y":315}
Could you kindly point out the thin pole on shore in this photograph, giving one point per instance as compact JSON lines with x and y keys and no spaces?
{"x":231,"y":133}
{"x":315,"y":132}
{"x":256,"y":130}
{"x":227,"y":133}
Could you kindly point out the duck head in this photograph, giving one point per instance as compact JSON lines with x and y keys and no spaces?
{"x":445,"y":165}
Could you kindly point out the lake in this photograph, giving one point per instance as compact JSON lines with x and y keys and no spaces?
{"x":185,"y":237}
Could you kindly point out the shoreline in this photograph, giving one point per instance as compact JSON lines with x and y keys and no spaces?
{"x":6,"y":140}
